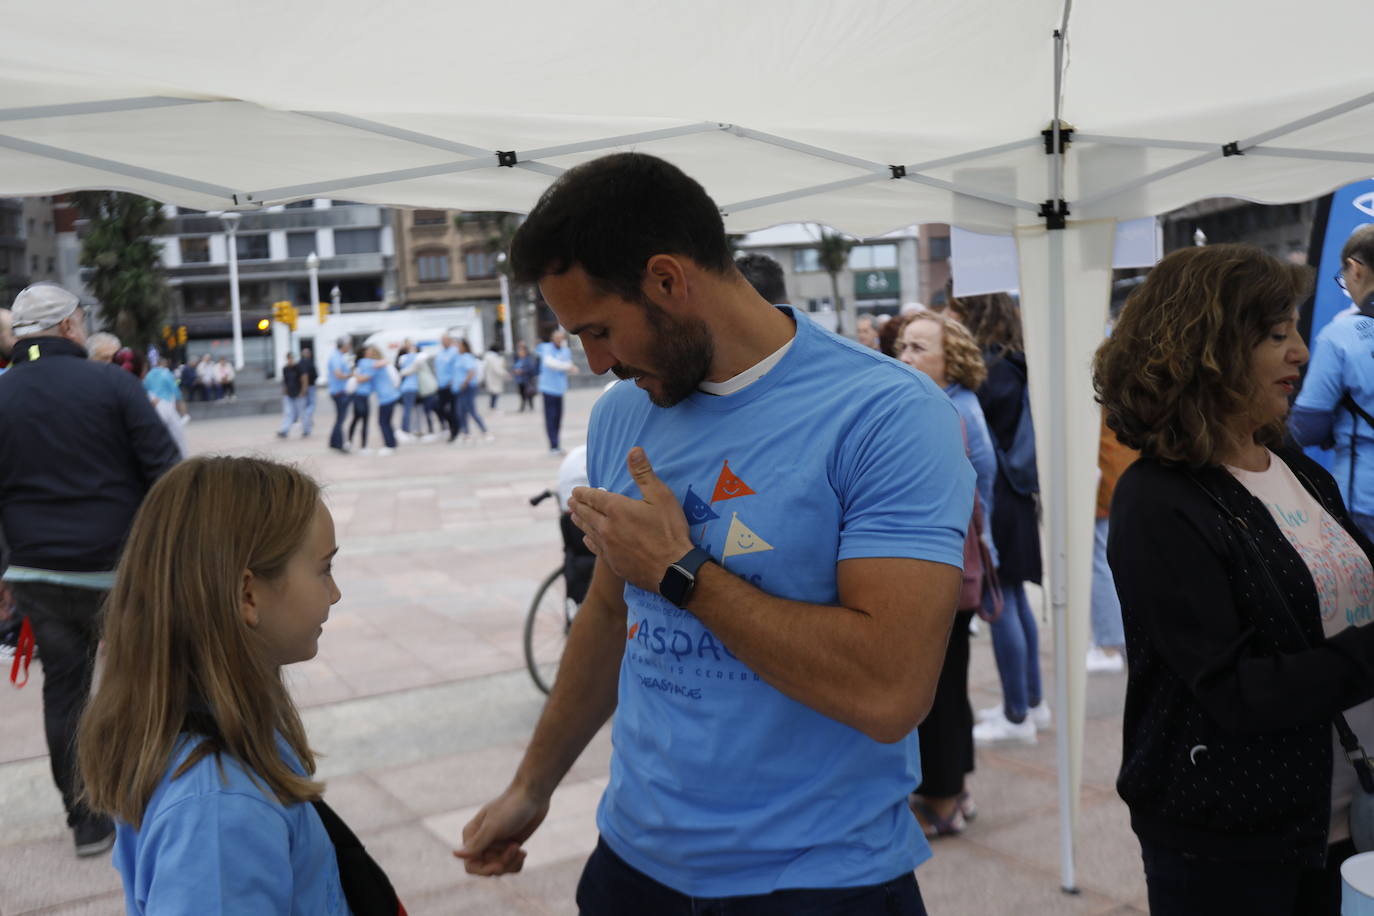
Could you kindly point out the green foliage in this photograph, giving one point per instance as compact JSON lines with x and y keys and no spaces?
{"x":500,"y":228}
{"x":127,"y":276}
{"x":833,"y":253}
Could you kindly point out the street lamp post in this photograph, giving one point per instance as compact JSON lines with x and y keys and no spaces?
{"x":312,"y":264}
{"x":231,"y":233}
{"x":335,"y":296}
{"x":506,"y":304}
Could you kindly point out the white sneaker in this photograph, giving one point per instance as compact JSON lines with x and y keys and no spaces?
{"x":1000,"y":730}
{"x":1039,"y":714}
{"x":403,"y":436}
{"x":488,"y":438}
{"x":429,"y":437}
{"x":1100,"y":662}
{"x":385,"y":452}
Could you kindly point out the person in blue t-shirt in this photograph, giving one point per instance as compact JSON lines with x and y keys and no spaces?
{"x":339,"y":370}
{"x":387,"y":387}
{"x":778,"y":564}
{"x":191,"y":742}
{"x":445,"y":363}
{"x":1341,"y":368}
{"x":555,"y":365}
{"x":362,"y":395}
{"x":467,"y":376}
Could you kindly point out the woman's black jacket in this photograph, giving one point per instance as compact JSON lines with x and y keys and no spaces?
{"x":1227,"y":735}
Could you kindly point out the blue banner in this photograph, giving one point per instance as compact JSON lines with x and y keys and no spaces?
{"x":1350,"y":207}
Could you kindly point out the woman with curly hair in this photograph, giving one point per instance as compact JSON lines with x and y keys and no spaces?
{"x":943,"y":349}
{"x":1244,"y":585}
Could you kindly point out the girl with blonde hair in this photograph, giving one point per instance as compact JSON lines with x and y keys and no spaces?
{"x":192,"y":742}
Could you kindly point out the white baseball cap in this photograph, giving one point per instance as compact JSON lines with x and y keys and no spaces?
{"x":41,"y":306}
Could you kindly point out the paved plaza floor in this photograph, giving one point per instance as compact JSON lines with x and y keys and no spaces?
{"x":419,"y":705}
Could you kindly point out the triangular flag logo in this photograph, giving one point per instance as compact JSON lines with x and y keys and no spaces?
{"x":728,"y":486}
{"x":741,"y":539}
{"x":633,"y":630}
{"x":698,"y":511}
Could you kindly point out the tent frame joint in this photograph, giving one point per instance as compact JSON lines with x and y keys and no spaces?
{"x":898,"y":171}
{"x":1232,"y":149}
{"x":1065,"y":138}
{"x":1055,"y":213}
{"x":507,"y":159}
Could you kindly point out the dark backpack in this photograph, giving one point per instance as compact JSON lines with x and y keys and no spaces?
{"x":1017,"y":463}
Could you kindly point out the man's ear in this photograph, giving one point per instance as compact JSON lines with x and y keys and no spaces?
{"x":665,"y":281}
{"x":248,"y":603}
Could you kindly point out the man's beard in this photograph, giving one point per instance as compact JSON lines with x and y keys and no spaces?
{"x":682,"y":353}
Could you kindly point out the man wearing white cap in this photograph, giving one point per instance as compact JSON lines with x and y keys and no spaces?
{"x":82,"y":445}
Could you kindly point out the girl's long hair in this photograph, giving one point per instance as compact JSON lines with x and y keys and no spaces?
{"x":176,"y":642}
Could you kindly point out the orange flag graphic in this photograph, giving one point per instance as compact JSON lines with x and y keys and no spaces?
{"x":728,"y":486}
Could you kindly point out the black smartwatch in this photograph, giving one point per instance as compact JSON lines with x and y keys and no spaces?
{"x":681,"y":577}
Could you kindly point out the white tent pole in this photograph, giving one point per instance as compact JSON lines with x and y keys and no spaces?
{"x":648,"y":136}
{"x":804,"y":192}
{"x":969,"y":191}
{"x":1325,"y":114}
{"x":1134,"y":183}
{"x":543,"y":168}
{"x":806,"y":148}
{"x":976,"y":154}
{"x":106,"y":107}
{"x":117,"y":168}
{"x":319,"y":188}
{"x":1106,"y":140}
{"x":1059,"y":480}
{"x":396,"y":133}
{"x":1325,"y":155}
{"x":1272,"y":151}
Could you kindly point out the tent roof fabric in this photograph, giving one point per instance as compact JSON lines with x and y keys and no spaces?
{"x":784,"y":111}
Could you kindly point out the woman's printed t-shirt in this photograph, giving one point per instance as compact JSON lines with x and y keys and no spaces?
{"x":1345,"y":591}
{"x":465,"y":363}
{"x":409,"y":382}
{"x":338,"y":362}
{"x":720,"y":785}
{"x":214,"y":841}
{"x":365,"y":369}
{"x":384,"y":385}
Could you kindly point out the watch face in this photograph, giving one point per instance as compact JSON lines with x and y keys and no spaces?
{"x":676,"y":585}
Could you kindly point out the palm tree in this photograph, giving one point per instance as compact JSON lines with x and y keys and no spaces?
{"x":127,"y":278}
{"x":833,"y":254}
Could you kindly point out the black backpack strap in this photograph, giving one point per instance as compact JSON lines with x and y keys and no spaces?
{"x":1355,"y":409}
{"x":365,"y":885}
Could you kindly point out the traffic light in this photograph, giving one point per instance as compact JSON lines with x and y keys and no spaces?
{"x":263,"y":325}
{"x":181,"y":335}
{"x":501,"y":312}
{"x":285,"y":313}
{"x":323,"y":311}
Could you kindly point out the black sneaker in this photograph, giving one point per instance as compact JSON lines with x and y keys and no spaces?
{"x":94,"y":834}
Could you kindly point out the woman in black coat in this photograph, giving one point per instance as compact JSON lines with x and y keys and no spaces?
{"x":996,"y":323}
{"x":1244,"y":586}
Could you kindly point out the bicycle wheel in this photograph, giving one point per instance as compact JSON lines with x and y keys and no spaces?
{"x":546,"y":629}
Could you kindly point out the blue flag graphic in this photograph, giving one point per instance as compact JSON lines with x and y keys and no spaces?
{"x":698,"y":510}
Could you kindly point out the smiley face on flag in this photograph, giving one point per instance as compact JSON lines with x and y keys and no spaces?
{"x":697,"y":510}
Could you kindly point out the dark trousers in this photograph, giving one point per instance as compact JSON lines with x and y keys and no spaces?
{"x":553,"y":417}
{"x":610,"y":887}
{"x":66,"y":628}
{"x":466,"y":401}
{"x":384,"y":421}
{"x":336,"y":435}
{"x":447,"y":412}
{"x":946,"y":735}
{"x":1183,"y":885}
{"x":361,"y":409}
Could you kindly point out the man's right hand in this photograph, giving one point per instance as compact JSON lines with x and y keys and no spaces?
{"x":491,"y":840}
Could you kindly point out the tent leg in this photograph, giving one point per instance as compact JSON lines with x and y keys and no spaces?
{"x":1058,"y":539}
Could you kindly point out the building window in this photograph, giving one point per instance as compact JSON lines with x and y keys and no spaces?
{"x":479,"y":264}
{"x":301,"y":205}
{"x":300,"y":244}
{"x":32,"y":223}
{"x":195,"y":251}
{"x":52,"y":266}
{"x":253,"y":247}
{"x":430,"y":217}
{"x":33,"y":264}
{"x":938,"y":247}
{"x":432,"y":267}
{"x":873,"y":257}
{"x":357,"y":241}
{"x":806,"y":260}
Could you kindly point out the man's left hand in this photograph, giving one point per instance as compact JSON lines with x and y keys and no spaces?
{"x":638,"y":538}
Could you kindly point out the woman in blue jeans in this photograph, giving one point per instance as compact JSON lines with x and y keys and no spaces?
{"x":362,"y":395}
{"x":388,"y":391}
{"x":996,"y":325}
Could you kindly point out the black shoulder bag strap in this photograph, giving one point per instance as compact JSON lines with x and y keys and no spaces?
{"x":1354,"y":753}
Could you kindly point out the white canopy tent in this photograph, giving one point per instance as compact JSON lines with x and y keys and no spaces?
{"x":866,"y":115}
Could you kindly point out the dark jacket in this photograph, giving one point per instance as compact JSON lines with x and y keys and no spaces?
{"x":80,"y":448}
{"x":1015,"y":518}
{"x":1227,"y":734}
{"x":292,"y":380}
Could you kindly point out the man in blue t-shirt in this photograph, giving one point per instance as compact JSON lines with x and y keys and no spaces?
{"x":1341,"y":366}
{"x":555,"y":365}
{"x":778,"y":563}
{"x":445,"y":364}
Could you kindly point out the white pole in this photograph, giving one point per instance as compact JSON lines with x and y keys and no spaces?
{"x":231,"y":228}
{"x":312,"y":264}
{"x":510,"y":314}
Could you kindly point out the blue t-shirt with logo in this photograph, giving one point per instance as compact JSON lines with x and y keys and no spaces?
{"x":161,"y":384}
{"x":465,"y":363}
{"x":388,"y":392}
{"x":1341,"y":362}
{"x":720,"y":785}
{"x":213,"y":840}
{"x":338,"y":362}
{"x":409,"y":382}
{"x":369,"y":375}
{"x":553,"y":381}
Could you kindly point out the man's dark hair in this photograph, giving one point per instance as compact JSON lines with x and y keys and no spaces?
{"x":765,"y":275}
{"x":610,"y":215}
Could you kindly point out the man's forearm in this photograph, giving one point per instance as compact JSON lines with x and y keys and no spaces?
{"x":842,"y":662}
{"x":583,"y":697}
